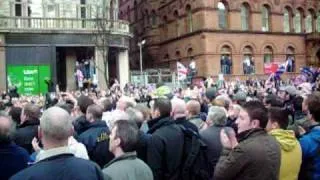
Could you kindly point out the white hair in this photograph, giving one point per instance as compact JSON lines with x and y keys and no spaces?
{"x":56,"y":124}
{"x":217,"y":115}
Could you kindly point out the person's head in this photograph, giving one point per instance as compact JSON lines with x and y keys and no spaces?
{"x":55,"y":128}
{"x":94,"y":113}
{"x":15,"y":113}
{"x":135,"y":116}
{"x":277,"y":119}
{"x":29,"y":112}
{"x":124,"y":102}
{"x":7,"y":128}
{"x":144,"y":110}
{"x":313,"y":105}
{"x":84,"y":102}
{"x":287,"y":93}
{"x":297,"y":103}
{"x":106,"y":103}
{"x":234,"y":111}
{"x":179,"y":108}
{"x":123,"y":137}
{"x":193,"y":108}
{"x":216,"y":116}
{"x":272,"y":100}
{"x":239,"y":98}
{"x":160,"y":107}
{"x":252,"y":115}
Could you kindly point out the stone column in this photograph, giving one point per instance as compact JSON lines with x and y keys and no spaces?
{"x":123,"y":67}
{"x":3,"y":77}
{"x":100,"y":69}
{"x":71,"y":65}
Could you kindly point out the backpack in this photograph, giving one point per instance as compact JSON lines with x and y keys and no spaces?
{"x":195,"y":164}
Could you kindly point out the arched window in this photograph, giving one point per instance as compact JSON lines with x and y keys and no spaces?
{"x":223,"y":15}
{"x":177,"y":24}
{"x":245,"y":16}
{"x":268,"y":55}
{"x":189,"y":19}
{"x":290,"y":59}
{"x":287,"y":19}
{"x":265,"y":18}
{"x":189,"y":52}
{"x":153,"y":18}
{"x":248,"y":63}
{"x":298,"y":21}
{"x":318,"y":22}
{"x":225,"y":60}
{"x":309,"y":22}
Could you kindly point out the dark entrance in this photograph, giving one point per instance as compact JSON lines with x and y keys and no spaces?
{"x":61,"y":68}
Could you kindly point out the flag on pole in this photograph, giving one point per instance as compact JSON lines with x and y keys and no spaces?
{"x":182,"y":71}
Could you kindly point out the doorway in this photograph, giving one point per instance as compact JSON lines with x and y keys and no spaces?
{"x":61,"y":68}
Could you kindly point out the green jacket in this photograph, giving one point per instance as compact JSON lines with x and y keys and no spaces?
{"x":127,"y":167}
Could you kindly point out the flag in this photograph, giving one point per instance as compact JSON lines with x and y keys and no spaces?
{"x":310,"y":73}
{"x":182,"y":71}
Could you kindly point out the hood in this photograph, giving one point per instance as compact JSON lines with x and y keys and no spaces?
{"x":286,"y":139}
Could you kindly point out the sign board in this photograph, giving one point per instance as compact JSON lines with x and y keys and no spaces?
{"x":29,"y":80}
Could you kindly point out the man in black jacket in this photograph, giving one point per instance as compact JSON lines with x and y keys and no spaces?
{"x":216,"y":119}
{"x":56,"y":161}
{"x":96,"y":137}
{"x":28,"y":128}
{"x":81,"y":123}
{"x":165,"y":147}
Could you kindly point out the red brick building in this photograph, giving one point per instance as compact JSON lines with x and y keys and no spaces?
{"x":249,"y":33}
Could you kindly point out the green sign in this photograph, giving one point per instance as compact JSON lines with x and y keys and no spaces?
{"x":30,"y":80}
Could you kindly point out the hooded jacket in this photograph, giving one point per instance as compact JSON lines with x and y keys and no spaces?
{"x":291,"y":155}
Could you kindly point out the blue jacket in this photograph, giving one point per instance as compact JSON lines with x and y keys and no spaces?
{"x":310,"y":145}
{"x":13,"y":158}
{"x":96,"y":140}
{"x":62,"y":167}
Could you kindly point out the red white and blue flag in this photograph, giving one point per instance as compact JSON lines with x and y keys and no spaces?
{"x":182,"y":71}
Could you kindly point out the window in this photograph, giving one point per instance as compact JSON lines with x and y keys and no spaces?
{"x":265,"y":18}
{"x":176,"y":15}
{"x":18,"y":8}
{"x":128,"y":14}
{"x":135,"y":11}
{"x":318,"y":22}
{"x":153,"y":18}
{"x":225,"y":60}
{"x":245,"y":16}
{"x":189,"y":19}
{"x":248,"y":63}
{"x":309,"y":22}
{"x":290,"y":59}
{"x":165,"y":27}
{"x":298,"y":21}
{"x":268,"y":55}
{"x":287,"y":19}
{"x":223,"y":16}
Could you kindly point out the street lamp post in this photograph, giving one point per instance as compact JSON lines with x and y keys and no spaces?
{"x":140,"y":44}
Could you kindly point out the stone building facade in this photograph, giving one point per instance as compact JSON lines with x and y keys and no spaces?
{"x":245,"y":32}
{"x":62,"y":33}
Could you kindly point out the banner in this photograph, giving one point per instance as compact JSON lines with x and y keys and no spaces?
{"x":270,"y":68}
{"x":29,"y":80}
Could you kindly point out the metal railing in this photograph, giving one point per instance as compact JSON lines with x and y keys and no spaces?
{"x":34,"y":23}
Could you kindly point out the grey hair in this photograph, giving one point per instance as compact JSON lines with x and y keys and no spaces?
{"x":217,"y":115}
{"x":134,"y":115}
{"x":56,"y":124}
{"x":7,"y":133}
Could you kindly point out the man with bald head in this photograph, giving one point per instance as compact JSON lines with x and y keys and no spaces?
{"x":56,"y":161}
{"x":193,"y":113}
{"x":13,"y":158}
{"x":179,"y":114}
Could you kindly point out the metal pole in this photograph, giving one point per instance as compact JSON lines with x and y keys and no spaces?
{"x":141,"y":75}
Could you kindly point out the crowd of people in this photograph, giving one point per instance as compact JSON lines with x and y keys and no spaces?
{"x":235,"y":130}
